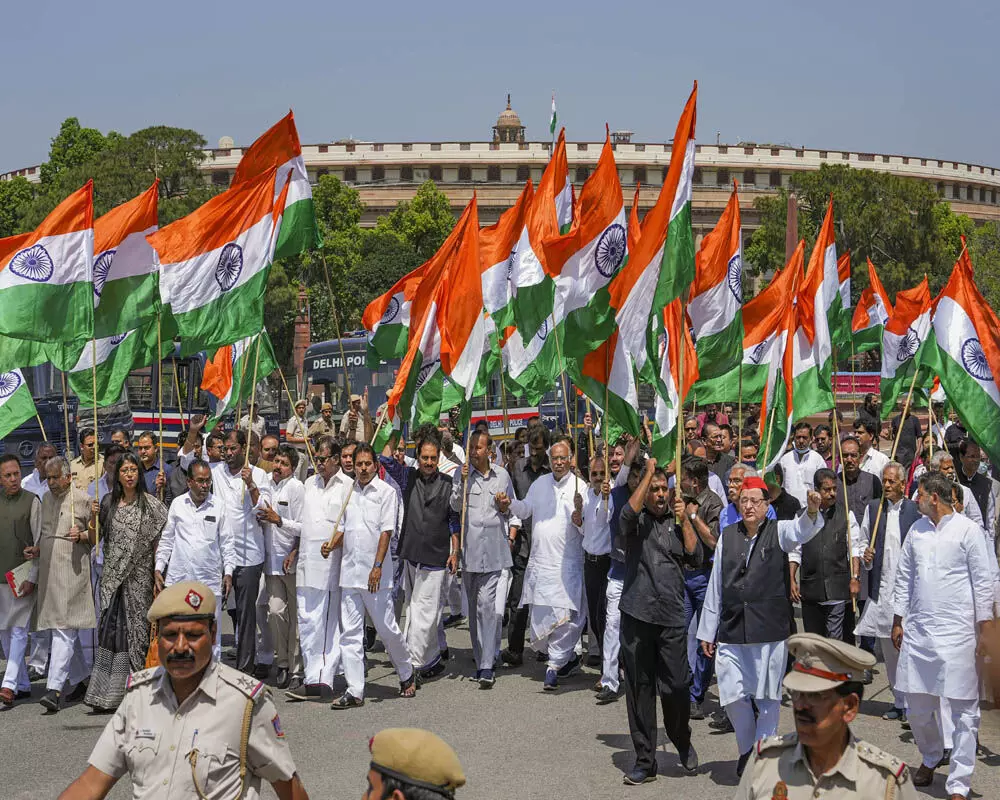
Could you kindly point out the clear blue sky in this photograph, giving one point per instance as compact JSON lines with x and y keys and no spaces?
{"x":917,"y":78}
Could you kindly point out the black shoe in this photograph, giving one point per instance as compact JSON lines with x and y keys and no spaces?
{"x":606,"y":696}
{"x":945,"y":758}
{"x":638,"y":777}
{"x":594,"y":661}
{"x":23,"y":695}
{"x":78,"y":693}
{"x":432,"y":672}
{"x":689,"y":759}
{"x":282,"y":678}
{"x":541,"y":658}
{"x":50,"y":701}
{"x":35,"y":675}
{"x":370,"y":634}
{"x":510,"y":658}
{"x":742,"y":763}
{"x":262,"y":671}
{"x":569,"y":667}
{"x":347,"y":700}
{"x":453,"y":619}
{"x":867,"y":677}
{"x":697,"y":712}
{"x":895,"y":713}
{"x":303,"y":692}
{"x":721,"y":723}
{"x":487,"y":679}
{"x":445,"y":654}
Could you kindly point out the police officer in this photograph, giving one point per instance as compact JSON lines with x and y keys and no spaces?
{"x":192,"y":728}
{"x":822,"y":759}
{"x":409,"y":763}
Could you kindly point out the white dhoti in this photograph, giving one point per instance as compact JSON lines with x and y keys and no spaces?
{"x":424,"y":590}
{"x":556,"y":631}
{"x":71,"y":658}
{"x":612,"y":635}
{"x":353,"y":604}
{"x":318,"y":612}
{"x":927,"y":720}
{"x":751,"y":672}
{"x":14,"y":642}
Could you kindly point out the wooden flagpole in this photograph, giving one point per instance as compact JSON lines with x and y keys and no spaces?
{"x":41,"y":426}
{"x":97,"y":441}
{"x":159,"y":389}
{"x":65,"y":399}
{"x":679,"y":424}
{"x":299,"y":419}
{"x":562,"y":370}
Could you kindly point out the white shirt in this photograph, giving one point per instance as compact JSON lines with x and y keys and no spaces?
{"x":876,"y":619}
{"x":799,"y":471}
{"x":597,"y":517}
{"x":241,"y":517}
{"x":944,"y":588}
{"x":371,"y":511}
{"x":321,"y":507}
{"x":554,"y":574}
{"x":259,"y":425}
{"x":280,"y":540}
{"x":874,"y":462}
{"x":196,"y":544}
{"x":35,"y":484}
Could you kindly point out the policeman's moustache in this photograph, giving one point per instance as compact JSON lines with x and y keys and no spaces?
{"x":805,"y":716}
{"x":174,"y":657}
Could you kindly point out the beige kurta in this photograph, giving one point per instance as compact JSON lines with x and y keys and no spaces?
{"x":65,"y":594}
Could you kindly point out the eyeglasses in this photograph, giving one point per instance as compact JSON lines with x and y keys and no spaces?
{"x":751,"y":502}
{"x":321,"y":459}
{"x":128,"y":471}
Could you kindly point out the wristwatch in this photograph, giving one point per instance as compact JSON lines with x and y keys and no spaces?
{"x":378,"y":565}
{"x":692,"y":516}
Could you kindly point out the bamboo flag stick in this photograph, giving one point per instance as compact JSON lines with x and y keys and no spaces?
{"x":605,"y":426}
{"x":679,"y":423}
{"x":378,"y":425}
{"x":336,"y":329}
{"x":72,"y":510}
{"x":253,"y":400}
{"x":180,"y":405}
{"x":465,"y":486}
{"x":503,"y":400}
{"x":847,"y":506}
{"x":590,"y":410}
{"x":41,"y":426}
{"x":739,"y":414}
{"x":159,"y":388}
{"x":562,"y":369}
{"x":97,"y":442}
{"x":770,"y":433}
{"x":892,"y":455}
{"x":302,"y":424}
{"x":932,"y":423}
{"x":854,"y":381}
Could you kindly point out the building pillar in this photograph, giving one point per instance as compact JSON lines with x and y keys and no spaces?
{"x":301,"y":341}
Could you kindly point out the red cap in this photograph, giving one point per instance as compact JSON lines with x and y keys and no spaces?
{"x":754,"y":483}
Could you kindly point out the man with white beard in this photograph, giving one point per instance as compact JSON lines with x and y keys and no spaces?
{"x":943,"y":604}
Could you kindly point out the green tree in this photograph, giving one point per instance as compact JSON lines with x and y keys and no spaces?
{"x":984,"y":250}
{"x":423,"y":222}
{"x":73,"y":146}
{"x":15,"y":197}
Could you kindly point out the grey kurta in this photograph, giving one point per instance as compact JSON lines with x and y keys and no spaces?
{"x":15,"y":612}
{"x":65,"y":594}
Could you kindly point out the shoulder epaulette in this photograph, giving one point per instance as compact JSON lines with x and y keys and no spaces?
{"x":880,"y":758}
{"x":246,"y":684}
{"x":141,"y":677}
{"x":777,"y":742}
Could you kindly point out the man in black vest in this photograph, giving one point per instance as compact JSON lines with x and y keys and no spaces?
{"x":428,"y":545}
{"x":20,"y":526}
{"x":896,"y":516}
{"x":747,"y":611}
{"x":970,"y":457}
{"x":828,"y":575}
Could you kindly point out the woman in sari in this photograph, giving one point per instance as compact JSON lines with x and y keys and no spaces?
{"x":131,"y":520}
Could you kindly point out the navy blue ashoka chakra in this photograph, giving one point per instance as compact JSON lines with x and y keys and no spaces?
{"x":33,"y":263}
{"x":118,"y":339}
{"x":759,"y":353}
{"x":9,"y":383}
{"x":230,"y":265}
{"x":908,"y":345}
{"x":734,"y":275}
{"x":543,"y":331}
{"x":974,"y":360}
{"x":102,"y":268}
{"x":391,"y":311}
{"x":425,"y":372}
{"x":610,"y":252}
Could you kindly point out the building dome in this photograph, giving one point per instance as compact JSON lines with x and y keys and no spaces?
{"x":508,"y":128}
{"x":226,"y":142}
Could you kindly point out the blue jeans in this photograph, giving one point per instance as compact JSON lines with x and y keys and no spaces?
{"x":695,"y":584}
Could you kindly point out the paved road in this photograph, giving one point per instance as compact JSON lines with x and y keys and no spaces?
{"x":515,"y":740}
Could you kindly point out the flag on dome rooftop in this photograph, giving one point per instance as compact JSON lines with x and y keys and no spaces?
{"x":279,"y":147}
{"x":214,"y":263}
{"x":46,"y":276}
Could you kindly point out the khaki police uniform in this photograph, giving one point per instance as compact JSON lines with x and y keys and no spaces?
{"x":83,"y":474}
{"x":779,"y":768}
{"x":199,"y":748}
{"x":418,"y":758}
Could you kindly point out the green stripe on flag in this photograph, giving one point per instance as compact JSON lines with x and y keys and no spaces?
{"x":720,"y":353}
{"x":298,"y":230}
{"x":126,"y":304}
{"x":16,"y":405}
{"x":233,"y":316}
{"x":677,"y":266}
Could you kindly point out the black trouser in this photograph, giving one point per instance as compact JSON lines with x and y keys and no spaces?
{"x":595,"y":579}
{"x":246,"y":586}
{"x":655,"y":661}
{"x":829,"y":621}
{"x":518,"y":623}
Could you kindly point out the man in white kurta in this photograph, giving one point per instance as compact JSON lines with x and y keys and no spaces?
{"x":943,"y":600}
{"x":366,"y":571}
{"x":876,"y":619}
{"x":317,"y":578}
{"x":553,"y":579}
{"x":799,"y":464}
{"x":282,"y":525}
{"x":754,"y":607}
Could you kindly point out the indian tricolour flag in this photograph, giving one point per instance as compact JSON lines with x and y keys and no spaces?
{"x":126,"y":277}
{"x":586,"y":259}
{"x":819,"y":312}
{"x":498,"y":251}
{"x":447,"y":333}
{"x":117,"y":356}
{"x":46,"y":287}
{"x":841,"y":334}
{"x":908,"y":347}
{"x":532,"y":283}
{"x":669,"y":395}
{"x":717,"y":295}
{"x":229,"y":374}
{"x":871,"y":315}
{"x":387,"y":319}
{"x":215,"y":261}
{"x":784,"y":362}
{"x":762,"y":318}
{"x":967,"y":332}
{"x":279,"y":148}
{"x":16,"y":405}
